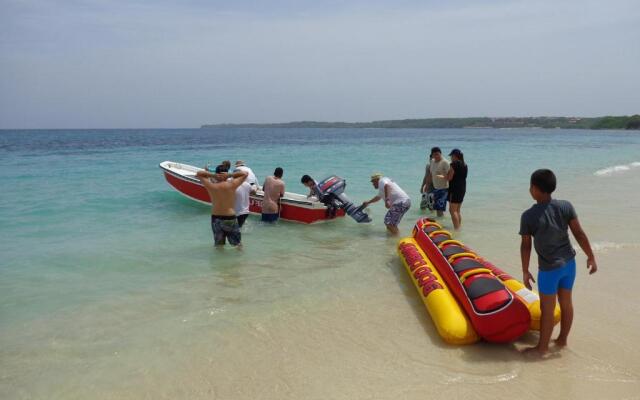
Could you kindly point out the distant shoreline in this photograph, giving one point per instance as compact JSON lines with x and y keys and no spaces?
{"x":606,"y":122}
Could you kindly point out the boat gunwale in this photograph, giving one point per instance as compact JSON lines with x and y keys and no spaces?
{"x":308,"y":204}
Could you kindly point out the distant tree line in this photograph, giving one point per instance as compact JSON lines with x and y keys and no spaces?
{"x":608,"y":122}
{"x":632,"y":122}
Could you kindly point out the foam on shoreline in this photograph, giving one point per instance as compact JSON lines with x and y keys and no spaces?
{"x":616,"y":169}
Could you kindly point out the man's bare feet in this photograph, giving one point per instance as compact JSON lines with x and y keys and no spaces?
{"x":560,"y":342}
{"x":535,"y":350}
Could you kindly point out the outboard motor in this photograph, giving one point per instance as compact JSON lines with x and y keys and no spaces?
{"x":331,"y":191}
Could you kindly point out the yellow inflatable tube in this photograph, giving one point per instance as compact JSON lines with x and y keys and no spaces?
{"x":531,"y":299}
{"x":450,"y":320}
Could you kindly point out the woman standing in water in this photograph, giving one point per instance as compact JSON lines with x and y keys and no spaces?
{"x":457,"y":177}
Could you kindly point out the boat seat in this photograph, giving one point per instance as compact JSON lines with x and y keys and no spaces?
{"x":430,"y":228}
{"x":437,"y":239}
{"x":492,"y":301}
{"x":481,"y":285}
{"x":451,"y":250}
{"x":464,"y":264}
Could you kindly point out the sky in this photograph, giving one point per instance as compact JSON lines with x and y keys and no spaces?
{"x":181,"y":64}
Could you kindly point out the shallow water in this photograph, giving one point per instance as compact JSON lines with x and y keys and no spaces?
{"x":110,"y":287}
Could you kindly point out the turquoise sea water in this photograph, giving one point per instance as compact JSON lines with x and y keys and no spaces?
{"x":107,"y":273}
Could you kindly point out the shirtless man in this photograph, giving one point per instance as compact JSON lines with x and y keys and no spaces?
{"x":273,"y":190}
{"x":222,"y":192}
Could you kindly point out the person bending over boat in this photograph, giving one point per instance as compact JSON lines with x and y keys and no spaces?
{"x":312,"y":185}
{"x":273,"y":189}
{"x":222,"y":192}
{"x":314,"y":191}
{"x":251,"y":177}
{"x":395,"y":199}
{"x":437,"y":170}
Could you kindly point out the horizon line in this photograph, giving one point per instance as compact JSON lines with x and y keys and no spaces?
{"x":323,"y":122}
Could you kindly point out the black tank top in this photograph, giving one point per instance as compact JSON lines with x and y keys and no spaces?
{"x":459,"y":181}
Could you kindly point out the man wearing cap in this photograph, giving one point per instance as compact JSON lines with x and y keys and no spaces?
{"x":222,"y":192}
{"x":251,"y":177}
{"x":395,"y":199}
{"x":435,"y":175}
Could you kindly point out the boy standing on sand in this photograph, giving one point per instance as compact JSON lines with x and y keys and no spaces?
{"x":547,"y":222}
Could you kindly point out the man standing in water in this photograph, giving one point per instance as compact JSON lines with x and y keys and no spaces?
{"x":243,"y":201}
{"x":426,"y":190}
{"x":251,"y":177}
{"x":435,"y":174}
{"x":395,"y":199}
{"x":222,"y":192}
{"x":273,"y":189}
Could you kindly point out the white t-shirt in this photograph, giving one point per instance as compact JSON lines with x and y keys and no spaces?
{"x":251,"y":178}
{"x":242,"y":198}
{"x":396,"y":195}
{"x":439,"y":168}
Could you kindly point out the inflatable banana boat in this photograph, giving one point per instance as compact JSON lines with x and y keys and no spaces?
{"x":498,"y":307}
{"x":451,"y":322}
{"x":529,"y":297}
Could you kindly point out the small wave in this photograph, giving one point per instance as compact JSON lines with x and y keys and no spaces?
{"x":481,"y":379}
{"x":616,"y":169}
{"x":603,"y":247}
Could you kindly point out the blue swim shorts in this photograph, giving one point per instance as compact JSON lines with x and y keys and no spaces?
{"x":440,"y":199}
{"x":560,"y":278}
{"x":270,"y":218}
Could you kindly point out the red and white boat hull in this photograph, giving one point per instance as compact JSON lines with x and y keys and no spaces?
{"x":294,"y":207}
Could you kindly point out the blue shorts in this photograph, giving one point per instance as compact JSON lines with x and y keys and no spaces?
{"x":270,"y":218}
{"x":560,"y":278}
{"x":440,"y":199}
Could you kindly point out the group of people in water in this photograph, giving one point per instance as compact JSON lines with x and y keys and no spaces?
{"x":230,"y":194}
{"x":444,"y":181}
{"x":545,"y":224}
